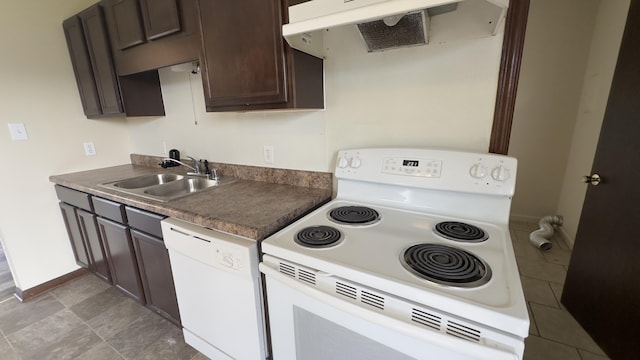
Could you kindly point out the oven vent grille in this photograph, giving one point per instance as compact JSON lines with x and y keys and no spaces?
{"x":287,"y":269}
{"x":346,"y":290}
{"x":372,"y":299}
{"x":463,"y":332}
{"x":307,"y":276}
{"x":297,"y":273}
{"x":426,"y":319}
{"x":364,"y":297}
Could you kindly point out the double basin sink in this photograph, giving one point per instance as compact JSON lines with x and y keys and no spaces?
{"x":164,"y":186}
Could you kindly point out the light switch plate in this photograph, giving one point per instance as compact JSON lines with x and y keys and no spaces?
{"x":18,"y":132}
{"x":89,"y":148}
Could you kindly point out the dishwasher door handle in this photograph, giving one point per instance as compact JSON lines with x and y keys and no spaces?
{"x":190,"y":235}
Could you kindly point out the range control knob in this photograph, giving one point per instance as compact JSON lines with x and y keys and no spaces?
{"x":500,"y":173}
{"x":478,"y":171}
{"x":342,"y":162}
{"x":355,"y":162}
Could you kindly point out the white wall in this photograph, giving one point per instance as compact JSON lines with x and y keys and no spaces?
{"x":436,"y":95}
{"x":603,"y":54}
{"x":39,"y":90}
{"x":441,"y":94}
{"x":554,"y":60}
{"x":571,"y":48}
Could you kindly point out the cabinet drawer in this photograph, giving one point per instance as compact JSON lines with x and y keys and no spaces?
{"x":75,"y":198}
{"x":145,"y":221}
{"x":109,"y":209}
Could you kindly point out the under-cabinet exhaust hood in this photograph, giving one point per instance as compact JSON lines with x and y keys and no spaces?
{"x":379,"y":20}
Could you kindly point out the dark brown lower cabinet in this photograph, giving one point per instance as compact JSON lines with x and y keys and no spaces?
{"x":121,"y":257}
{"x":95,"y":249}
{"x":73,"y":230}
{"x":155,"y":272}
{"x":123,"y":246}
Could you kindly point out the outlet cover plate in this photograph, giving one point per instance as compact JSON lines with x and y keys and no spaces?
{"x":18,"y":132}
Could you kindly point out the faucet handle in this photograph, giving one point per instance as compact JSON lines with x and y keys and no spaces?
{"x":214,"y":175}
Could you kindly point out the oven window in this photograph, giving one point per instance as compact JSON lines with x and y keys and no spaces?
{"x":321,"y":339}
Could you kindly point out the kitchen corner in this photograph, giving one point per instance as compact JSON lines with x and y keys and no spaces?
{"x":259,"y":203}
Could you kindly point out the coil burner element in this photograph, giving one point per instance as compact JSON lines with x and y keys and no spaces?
{"x":446,"y":265}
{"x":354,"y":215}
{"x":318,"y":236}
{"x":459,"y":231}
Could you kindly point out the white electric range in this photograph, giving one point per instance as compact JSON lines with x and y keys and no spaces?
{"x":411,"y":260}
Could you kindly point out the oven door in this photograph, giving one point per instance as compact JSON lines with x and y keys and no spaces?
{"x":309,"y":324}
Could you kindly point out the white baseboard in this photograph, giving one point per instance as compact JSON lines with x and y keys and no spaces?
{"x":565,"y":237}
{"x":524,"y":218}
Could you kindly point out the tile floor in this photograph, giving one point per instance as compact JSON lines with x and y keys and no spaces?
{"x":554,"y":334}
{"x":7,"y":287}
{"x":86,"y":319}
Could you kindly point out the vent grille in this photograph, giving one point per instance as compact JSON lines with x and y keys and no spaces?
{"x":307,"y":276}
{"x":372,"y":299}
{"x":463,"y":332}
{"x":297,"y":273}
{"x":409,"y":31}
{"x":366,"y":297}
{"x":426,"y":319}
{"x":287,"y":269}
{"x":346,"y":290}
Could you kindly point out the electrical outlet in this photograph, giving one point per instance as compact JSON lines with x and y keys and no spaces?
{"x":89,"y":148}
{"x":18,"y":132}
{"x":268,"y":154}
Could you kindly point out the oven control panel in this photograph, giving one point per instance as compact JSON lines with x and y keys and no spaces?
{"x":426,"y":168}
{"x":412,"y":166}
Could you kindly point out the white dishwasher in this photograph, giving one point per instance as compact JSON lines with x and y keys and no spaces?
{"x":219,"y":291}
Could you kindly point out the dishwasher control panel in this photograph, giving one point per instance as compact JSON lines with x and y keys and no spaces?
{"x":229,"y":259}
{"x":210,"y":247}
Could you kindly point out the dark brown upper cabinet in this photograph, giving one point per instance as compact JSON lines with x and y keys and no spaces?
{"x":161,"y":18}
{"x":246,"y":64}
{"x":102,"y":92}
{"x":150,"y":34}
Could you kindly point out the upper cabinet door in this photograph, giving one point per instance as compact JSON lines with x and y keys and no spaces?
{"x":128,"y":30}
{"x":82,"y":66}
{"x":243,"y":60}
{"x":161,"y":18}
{"x":95,"y":33}
{"x":151,"y":34}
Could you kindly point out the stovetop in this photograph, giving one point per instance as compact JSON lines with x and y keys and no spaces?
{"x":371,"y":255}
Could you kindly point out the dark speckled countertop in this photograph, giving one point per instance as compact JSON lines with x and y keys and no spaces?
{"x":261,"y":201}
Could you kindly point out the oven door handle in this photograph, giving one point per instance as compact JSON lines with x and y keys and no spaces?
{"x":473,"y":350}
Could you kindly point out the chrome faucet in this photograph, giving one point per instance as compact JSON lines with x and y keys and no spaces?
{"x":195,"y":169}
{"x":179,"y":162}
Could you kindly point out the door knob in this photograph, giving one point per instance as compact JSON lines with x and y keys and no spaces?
{"x":594,"y":179}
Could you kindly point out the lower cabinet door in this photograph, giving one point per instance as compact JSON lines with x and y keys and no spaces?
{"x":95,"y":249}
{"x":73,"y":229}
{"x":157,"y":279}
{"x":121,"y":257}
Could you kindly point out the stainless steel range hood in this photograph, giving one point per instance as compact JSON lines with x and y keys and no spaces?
{"x":309,"y":20}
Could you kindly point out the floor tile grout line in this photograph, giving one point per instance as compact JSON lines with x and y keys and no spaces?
{"x":106,"y":341}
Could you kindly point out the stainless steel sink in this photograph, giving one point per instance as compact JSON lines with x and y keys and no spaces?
{"x":164,"y":187}
{"x":181,"y":187}
{"x":146,"y":181}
